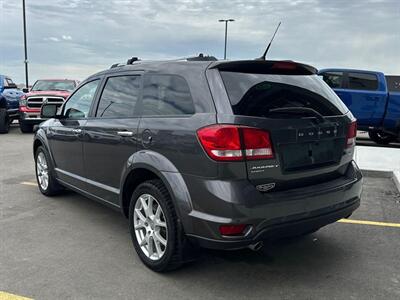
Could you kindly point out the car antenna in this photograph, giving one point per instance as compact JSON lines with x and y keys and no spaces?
{"x":269,"y":45}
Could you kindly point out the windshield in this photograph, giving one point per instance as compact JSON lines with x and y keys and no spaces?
{"x":54,"y":85}
{"x":260,"y":95}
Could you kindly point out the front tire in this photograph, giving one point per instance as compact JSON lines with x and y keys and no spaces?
{"x":381,"y":137}
{"x":154,"y":227}
{"x":4,"y":121}
{"x":25,"y":128}
{"x":46,"y":180}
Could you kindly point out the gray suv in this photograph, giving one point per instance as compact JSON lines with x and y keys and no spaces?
{"x":199,"y":152}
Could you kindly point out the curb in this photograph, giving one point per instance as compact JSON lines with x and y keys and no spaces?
{"x":396,"y":179}
{"x":394,"y":175}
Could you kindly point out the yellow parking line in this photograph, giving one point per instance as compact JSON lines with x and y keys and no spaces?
{"x":29,"y":183}
{"x":7,"y":296}
{"x":362,"y":222}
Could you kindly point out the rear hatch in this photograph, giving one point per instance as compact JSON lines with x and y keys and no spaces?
{"x":308,"y":124}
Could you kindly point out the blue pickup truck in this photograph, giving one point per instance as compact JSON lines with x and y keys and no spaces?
{"x":9,"y":102}
{"x":372,"y":97}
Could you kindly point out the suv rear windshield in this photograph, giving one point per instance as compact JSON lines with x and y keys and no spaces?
{"x":257,"y":94}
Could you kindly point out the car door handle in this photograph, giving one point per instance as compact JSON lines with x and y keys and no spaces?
{"x":125,"y":133}
{"x":77,"y":131}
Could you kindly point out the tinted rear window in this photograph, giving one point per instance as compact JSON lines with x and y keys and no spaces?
{"x":119,"y":97}
{"x":166,"y":95}
{"x":393,"y":83}
{"x":363,"y":81}
{"x":333,"y":79}
{"x":257,"y":94}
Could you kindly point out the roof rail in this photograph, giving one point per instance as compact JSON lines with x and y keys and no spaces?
{"x":115,"y":65}
{"x":132,"y":60}
{"x":201,"y":57}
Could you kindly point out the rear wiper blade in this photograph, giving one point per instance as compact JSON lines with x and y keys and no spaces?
{"x":298,"y":111}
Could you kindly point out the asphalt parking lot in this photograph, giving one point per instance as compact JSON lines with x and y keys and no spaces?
{"x":70,"y":247}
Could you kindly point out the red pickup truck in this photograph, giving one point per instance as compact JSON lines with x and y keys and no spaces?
{"x":43,"y":91}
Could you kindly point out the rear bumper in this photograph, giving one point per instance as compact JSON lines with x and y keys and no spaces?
{"x":285,"y":214}
{"x":281,"y":230}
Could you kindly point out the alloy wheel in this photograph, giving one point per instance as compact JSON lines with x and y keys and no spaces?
{"x":42,"y":171}
{"x":150,"y":227}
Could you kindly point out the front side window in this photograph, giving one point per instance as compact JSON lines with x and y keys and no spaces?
{"x":78,"y":105}
{"x":119,"y":97}
{"x":333,"y":79}
{"x":10,"y":82}
{"x":165,"y":95}
{"x":363,"y":81}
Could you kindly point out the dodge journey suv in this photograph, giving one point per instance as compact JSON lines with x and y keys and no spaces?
{"x":199,"y":152}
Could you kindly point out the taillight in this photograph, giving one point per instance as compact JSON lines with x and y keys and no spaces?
{"x":221,"y":142}
{"x":351,"y":134}
{"x":257,"y":143}
{"x":224,"y":142}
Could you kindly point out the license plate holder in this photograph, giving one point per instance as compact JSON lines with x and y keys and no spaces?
{"x":311,"y":154}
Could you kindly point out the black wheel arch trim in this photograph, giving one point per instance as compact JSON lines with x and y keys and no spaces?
{"x":166,"y":172}
{"x":40,"y":136}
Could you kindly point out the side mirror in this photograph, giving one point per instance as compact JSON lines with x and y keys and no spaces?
{"x":25,"y":90}
{"x":48,"y":111}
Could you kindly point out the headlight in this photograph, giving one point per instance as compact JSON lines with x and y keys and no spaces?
{"x":23,"y":101}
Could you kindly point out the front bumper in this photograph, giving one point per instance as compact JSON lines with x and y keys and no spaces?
{"x":13,"y":113}
{"x":31,"y":118}
{"x":287,"y":213}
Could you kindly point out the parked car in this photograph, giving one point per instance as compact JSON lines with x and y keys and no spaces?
{"x":9,"y":101}
{"x":373,"y":100}
{"x":43,"y":91}
{"x":215,"y":154}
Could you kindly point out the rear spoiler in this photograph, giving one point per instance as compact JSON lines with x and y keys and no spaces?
{"x":281,"y":67}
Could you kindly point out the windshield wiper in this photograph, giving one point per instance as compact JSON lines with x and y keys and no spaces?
{"x":298,"y":111}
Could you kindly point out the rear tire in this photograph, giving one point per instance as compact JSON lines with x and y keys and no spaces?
{"x":4,"y":121}
{"x":145,"y":231}
{"x":381,"y":137}
{"x":45,"y":177}
{"x":25,"y":128}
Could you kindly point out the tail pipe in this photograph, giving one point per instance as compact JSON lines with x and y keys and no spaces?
{"x":257,"y":246}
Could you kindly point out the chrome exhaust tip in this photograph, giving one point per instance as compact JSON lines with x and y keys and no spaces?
{"x":257,"y":246}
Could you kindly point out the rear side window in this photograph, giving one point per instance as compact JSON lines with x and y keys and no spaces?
{"x":363,"y":81}
{"x":258,"y":94}
{"x":165,"y":95}
{"x":393,"y":83}
{"x":333,"y":79}
{"x":119,"y":97}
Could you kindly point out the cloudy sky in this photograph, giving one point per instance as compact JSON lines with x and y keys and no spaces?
{"x":75,"y":38}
